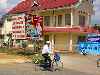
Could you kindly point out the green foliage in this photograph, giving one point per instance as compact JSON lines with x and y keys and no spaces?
{"x":97,"y":27}
{"x":16,"y":51}
{"x":24,"y":44}
{"x":3,"y":50}
{"x":37,"y":59}
{"x":25,"y":52}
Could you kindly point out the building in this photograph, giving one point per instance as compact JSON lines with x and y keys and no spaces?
{"x":6,"y":29}
{"x":1,"y":34}
{"x":64,"y":20}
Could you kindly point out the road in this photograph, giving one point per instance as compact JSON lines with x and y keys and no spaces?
{"x":73,"y":65}
{"x":27,"y":69}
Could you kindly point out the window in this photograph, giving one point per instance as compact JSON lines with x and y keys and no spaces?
{"x":67,"y":19}
{"x":59,"y":20}
{"x":47,"y":20}
{"x":81,"y":20}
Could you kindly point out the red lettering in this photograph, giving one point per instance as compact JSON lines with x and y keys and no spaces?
{"x":22,"y":22}
{"x":14,"y":23}
{"x":13,"y":27}
{"x":20,"y":18}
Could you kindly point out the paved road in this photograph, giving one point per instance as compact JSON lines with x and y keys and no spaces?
{"x":27,"y":69}
{"x":86,"y":64}
{"x":73,"y":65}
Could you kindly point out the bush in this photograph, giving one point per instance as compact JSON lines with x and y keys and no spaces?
{"x":37,"y":59}
{"x":25,"y":52}
{"x":16,"y":51}
{"x":3,"y":50}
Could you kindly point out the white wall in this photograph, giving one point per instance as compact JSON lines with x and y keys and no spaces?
{"x":7,"y":27}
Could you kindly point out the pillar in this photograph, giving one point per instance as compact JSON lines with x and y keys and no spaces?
{"x":63,"y":21}
{"x":87,"y":20}
{"x":70,"y":43}
{"x":52,"y":42}
{"x":72,"y":18}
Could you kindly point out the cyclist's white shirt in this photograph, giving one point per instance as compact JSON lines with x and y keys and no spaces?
{"x":46,"y":49}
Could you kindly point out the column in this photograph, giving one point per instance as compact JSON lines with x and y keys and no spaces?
{"x":70,"y":43}
{"x":51,"y":20}
{"x":52,"y":42}
{"x":55,"y":20}
{"x":72,"y":18}
{"x":87,"y":20}
{"x":63,"y":19}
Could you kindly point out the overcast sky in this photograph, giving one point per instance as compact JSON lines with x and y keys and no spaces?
{"x":6,"y":5}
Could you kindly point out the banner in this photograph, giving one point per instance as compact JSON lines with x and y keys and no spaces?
{"x":18,"y":26}
{"x":93,"y":37}
{"x":34,"y":26}
{"x":92,"y":48}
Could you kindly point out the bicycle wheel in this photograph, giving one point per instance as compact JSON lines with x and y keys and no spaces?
{"x":57,"y":65}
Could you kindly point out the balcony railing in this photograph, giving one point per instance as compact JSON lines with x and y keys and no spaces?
{"x":85,"y":29}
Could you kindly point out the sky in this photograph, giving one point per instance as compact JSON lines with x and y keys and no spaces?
{"x":6,"y":5}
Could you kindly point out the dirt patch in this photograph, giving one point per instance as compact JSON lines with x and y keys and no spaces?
{"x":5,"y":58}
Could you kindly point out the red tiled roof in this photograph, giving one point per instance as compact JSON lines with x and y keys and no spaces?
{"x":44,"y":4}
{"x":22,"y":7}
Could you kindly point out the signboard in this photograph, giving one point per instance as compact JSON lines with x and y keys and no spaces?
{"x":27,"y":26}
{"x":93,"y":38}
{"x":34,"y":26}
{"x":91,"y":45}
{"x":18,"y":26}
{"x":92,"y":48}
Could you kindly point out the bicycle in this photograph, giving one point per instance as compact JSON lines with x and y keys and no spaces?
{"x":56,"y":64}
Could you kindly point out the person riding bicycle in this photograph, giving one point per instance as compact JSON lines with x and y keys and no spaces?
{"x":45,"y":53}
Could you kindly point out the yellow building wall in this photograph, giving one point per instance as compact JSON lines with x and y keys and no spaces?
{"x":61,"y":41}
{"x":74,"y":41}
